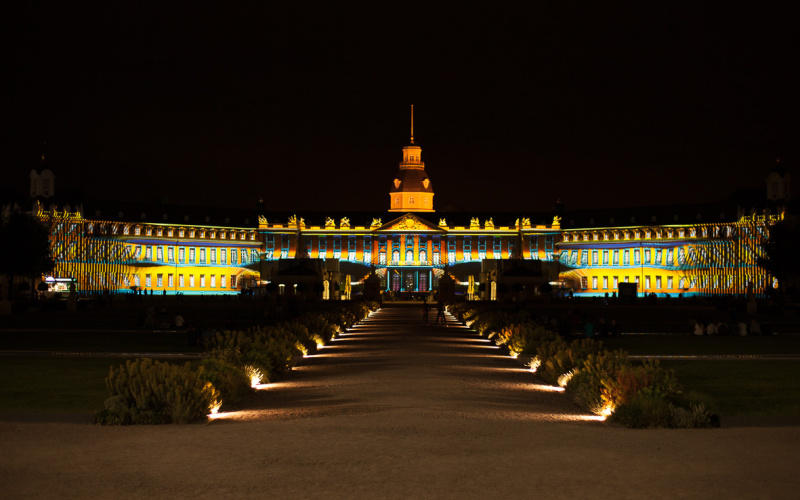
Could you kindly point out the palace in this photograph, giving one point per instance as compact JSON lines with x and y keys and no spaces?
{"x":691,"y":250}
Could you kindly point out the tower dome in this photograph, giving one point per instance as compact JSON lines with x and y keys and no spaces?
{"x":411,"y":189}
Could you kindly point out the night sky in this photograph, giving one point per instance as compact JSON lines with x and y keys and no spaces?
{"x":308,"y":105}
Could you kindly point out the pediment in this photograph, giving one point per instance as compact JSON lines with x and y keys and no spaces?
{"x":409,"y":222}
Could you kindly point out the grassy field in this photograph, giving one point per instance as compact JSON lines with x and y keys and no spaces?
{"x":96,"y":341}
{"x":743,"y":387}
{"x":675,"y":345}
{"x":54,"y":384}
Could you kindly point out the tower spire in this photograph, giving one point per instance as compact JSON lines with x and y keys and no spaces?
{"x":412,"y":124}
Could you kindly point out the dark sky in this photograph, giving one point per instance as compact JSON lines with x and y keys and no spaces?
{"x":307,"y":103}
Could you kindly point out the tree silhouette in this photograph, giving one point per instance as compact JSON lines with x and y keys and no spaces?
{"x":781,"y":253}
{"x":24,"y":248}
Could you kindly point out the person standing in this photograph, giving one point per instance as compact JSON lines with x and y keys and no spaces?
{"x":440,"y":314}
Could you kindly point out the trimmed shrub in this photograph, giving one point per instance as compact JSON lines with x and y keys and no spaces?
{"x":523,"y":338}
{"x":557,"y":357}
{"x":228,"y":379}
{"x":643,"y":411}
{"x":145,"y":391}
{"x":592,"y":376}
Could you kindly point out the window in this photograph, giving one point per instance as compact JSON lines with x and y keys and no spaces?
{"x":594,"y":282}
{"x":222,"y":281}
{"x":595,"y":255}
{"x":584,"y":282}
{"x":180,"y":281}
{"x":585,"y":257}
{"x":223,"y":256}
{"x":170,"y":280}
{"x":395,"y":255}
{"x":182,"y":255}
{"x":149,"y":231}
{"x":616,"y":282}
{"x":605,"y":257}
{"x":451,"y":256}
{"x":202,"y":255}
{"x":669,"y":282}
{"x":244,"y":256}
{"x":171,"y":254}
{"x":233,"y":281}
{"x":202,"y":281}
{"x":181,"y":233}
{"x":435,"y":257}
{"x":616,"y":257}
{"x":160,"y":254}
{"x":233,"y":256}
{"x":658,"y":282}
{"x":410,"y":200}
{"x":409,"y":256}
{"x":136,"y":280}
{"x":126,"y":230}
{"x":670,"y":260}
{"x":147,"y":281}
{"x":212,"y":255}
{"x":681,"y":256}
{"x":573,"y":256}
{"x":626,"y":257}
{"x":191,"y":280}
{"x":213,"y":282}
{"x":170,"y":233}
{"x":646,"y":255}
{"x":658,"y":258}
{"x":647,"y":282}
{"x":605,"y":282}
{"x":192,"y":255}
{"x":160,"y":280}
{"x":137,"y":231}
{"x":636,"y":259}
{"x":423,"y":256}
{"x":382,"y":257}
{"x":138,"y":252}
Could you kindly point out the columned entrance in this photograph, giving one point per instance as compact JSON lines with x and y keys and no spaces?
{"x":403,"y":279}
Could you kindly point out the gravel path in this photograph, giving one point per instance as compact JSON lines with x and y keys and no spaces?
{"x":395,"y":409}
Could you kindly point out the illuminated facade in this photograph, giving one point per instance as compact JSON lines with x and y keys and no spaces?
{"x":114,"y":256}
{"x":687,"y":255}
{"x":690,"y":259}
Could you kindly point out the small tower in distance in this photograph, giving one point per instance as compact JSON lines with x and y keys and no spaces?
{"x":411,"y":189}
{"x":779,"y":183}
{"x":42,"y":181}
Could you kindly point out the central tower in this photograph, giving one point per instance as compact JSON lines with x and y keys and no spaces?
{"x":411,"y":189}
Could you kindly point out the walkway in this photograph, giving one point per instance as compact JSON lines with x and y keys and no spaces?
{"x":395,"y":409}
{"x":393,"y":363}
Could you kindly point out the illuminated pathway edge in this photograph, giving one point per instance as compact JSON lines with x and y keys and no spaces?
{"x":391,"y":362}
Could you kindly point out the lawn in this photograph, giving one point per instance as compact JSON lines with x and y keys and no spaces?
{"x":54,"y":384}
{"x":675,"y":345}
{"x":96,"y":341}
{"x":743,"y":387}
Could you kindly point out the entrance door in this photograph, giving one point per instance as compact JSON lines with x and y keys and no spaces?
{"x":395,"y":287}
{"x":408,"y":281}
{"x":423,"y":281}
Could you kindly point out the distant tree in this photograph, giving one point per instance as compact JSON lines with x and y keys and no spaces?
{"x":24,"y":248}
{"x":781,"y":253}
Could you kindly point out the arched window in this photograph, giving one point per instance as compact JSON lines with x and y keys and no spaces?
{"x":396,"y":255}
{"x":409,"y":256}
{"x":423,"y":256}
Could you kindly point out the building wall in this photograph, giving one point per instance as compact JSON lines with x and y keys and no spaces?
{"x":698,"y":259}
{"x":117,"y":256}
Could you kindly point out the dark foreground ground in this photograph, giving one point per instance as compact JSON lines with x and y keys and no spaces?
{"x":395,"y":409}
